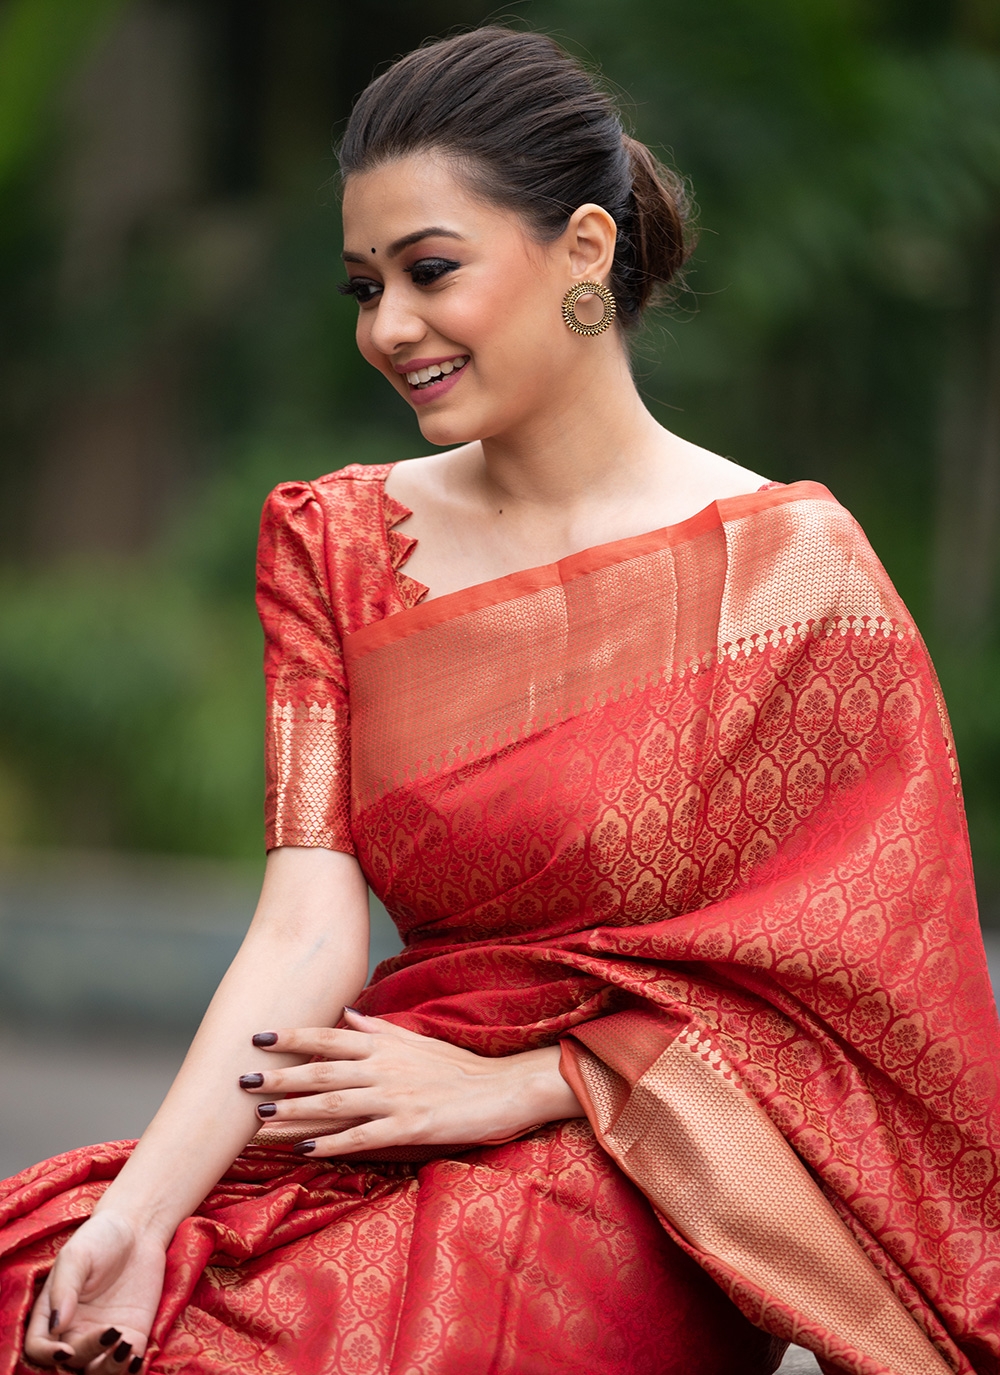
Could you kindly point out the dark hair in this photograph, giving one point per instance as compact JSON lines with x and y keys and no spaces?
{"x":535,"y":134}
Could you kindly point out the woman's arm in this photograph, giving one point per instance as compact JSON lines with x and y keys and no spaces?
{"x":304,"y":956}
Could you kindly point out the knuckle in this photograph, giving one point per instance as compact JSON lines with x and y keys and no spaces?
{"x":332,"y":1102}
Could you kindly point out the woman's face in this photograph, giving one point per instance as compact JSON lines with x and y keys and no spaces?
{"x":458,"y":305}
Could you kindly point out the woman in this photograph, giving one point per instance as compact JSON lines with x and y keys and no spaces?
{"x":691,"y":1048}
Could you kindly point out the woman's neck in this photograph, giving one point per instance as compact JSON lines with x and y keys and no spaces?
{"x":578,"y":449}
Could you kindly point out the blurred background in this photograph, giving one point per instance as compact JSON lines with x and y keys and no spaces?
{"x":171,"y":345}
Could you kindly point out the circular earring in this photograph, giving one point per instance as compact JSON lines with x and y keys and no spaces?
{"x":588,"y":289}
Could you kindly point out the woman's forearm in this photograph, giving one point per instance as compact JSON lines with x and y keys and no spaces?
{"x":304,"y":957}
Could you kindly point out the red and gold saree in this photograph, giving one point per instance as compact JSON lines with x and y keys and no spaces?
{"x":687,"y":804}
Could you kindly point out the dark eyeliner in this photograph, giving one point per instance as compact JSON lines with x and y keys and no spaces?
{"x":430,"y":269}
{"x":363,"y":289}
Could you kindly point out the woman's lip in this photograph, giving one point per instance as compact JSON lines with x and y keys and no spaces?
{"x":415,"y":364}
{"x":422,"y":395}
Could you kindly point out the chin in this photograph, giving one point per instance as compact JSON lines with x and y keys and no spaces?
{"x":448,"y":430}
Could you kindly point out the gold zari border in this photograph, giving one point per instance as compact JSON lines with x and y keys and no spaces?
{"x":716,"y":1166}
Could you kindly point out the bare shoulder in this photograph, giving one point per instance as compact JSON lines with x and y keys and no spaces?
{"x":715,"y":476}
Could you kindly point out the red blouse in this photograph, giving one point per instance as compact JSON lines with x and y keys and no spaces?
{"x":329,"y":563}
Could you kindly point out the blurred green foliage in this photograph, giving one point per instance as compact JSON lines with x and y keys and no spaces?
{"x":40,"y":40}
{"x":133,"y":698}
{"x":845,"y":157}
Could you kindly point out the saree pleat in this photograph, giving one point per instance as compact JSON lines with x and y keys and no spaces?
{"x":686,"y":804}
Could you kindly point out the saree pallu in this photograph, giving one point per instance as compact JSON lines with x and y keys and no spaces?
{"x":686,"y":804}
{"x":689,"y":802}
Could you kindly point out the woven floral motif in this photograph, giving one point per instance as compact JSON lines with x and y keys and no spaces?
{"x":687,"y":804}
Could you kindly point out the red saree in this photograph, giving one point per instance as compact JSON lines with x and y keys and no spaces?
{"x":686,"y":803}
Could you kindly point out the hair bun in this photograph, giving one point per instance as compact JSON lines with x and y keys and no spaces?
{"x":659,"y":231}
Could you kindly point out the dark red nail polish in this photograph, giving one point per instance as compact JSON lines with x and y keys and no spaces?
{"x":121,"y":1351}
{"x":53,"y":1319}
{"x":304,"y":1148}
{"x":251,"y":1081}
{"x":112,"y":1335}
{"x":134,"y":1364}
{"x":265,"y":1038}
{"x":266,"y":1109}
{"x":348,"y":1008}
{"x":61,"y":1357}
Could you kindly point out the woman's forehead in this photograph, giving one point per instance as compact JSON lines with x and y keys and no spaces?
{"x":410,"y":194}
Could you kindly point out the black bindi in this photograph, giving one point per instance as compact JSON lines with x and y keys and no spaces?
{"x":373,"y":250}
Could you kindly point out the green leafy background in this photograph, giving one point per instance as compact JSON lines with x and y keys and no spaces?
{"x":842,"y":323}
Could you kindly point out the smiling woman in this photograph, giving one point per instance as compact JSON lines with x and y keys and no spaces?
{"x":691,"y":1049}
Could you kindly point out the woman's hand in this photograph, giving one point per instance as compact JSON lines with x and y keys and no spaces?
{"x":405,"y":1088}
{"x":99,"y":1301}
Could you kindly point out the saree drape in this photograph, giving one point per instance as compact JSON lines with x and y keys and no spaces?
{"x":687,"y":804}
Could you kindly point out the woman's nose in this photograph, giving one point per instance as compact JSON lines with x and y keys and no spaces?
{"x":396,"y":322}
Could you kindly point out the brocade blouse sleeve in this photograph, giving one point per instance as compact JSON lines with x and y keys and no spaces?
{"x":307,"y":753}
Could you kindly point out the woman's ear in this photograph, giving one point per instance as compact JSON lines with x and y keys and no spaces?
{"x":589,"y":240}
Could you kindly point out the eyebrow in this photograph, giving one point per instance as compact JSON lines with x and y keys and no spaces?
{"x":394,"y":249}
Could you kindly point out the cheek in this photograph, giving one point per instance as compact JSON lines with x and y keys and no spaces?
{"x":510,"y":325}
{"x":362,"y":336}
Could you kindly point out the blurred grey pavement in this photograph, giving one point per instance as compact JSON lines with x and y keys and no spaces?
{"x":106,"y":965}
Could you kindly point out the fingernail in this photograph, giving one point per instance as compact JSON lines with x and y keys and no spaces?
{"x":112,"y":1335}
{"x":348,"y":1008}
{"x":304,"y":1148}
{"x":62,"y":1356}
{"x":266,"y":1109}
{"x":265,"y":1038}
{"x":121,"y":1351}
{"x":53,"y":1319}
{"x":134,"y":1364}
{"x":251,"y":1081}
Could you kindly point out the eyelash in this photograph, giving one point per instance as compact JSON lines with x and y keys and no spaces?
{"x":424,"y":273}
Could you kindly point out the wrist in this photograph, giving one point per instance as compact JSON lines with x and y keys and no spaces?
{"x":543,"y":1094}
{"x":136,"y":1217}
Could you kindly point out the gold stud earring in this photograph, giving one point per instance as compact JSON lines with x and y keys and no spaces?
{"x":588,"y":289}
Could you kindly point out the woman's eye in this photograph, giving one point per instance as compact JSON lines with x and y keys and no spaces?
{"x":429,"y":270}
{"x":363,"y":289}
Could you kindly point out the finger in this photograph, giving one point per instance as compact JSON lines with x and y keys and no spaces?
{"x":39,"y":1346}
{"x":69,"y":1274}
{"x":48,"y":1351}
{"x":363,"y":1136}
{"x":332,"y":1043}
{"x":349,"y":1105}
{"x":114,"y":1359}
{"x":320,"y":1076}
{"x":110,"y":1351}
{"x":379,"y":1025}
{"x":56,"y":1306}
{"x":119,"y":1358}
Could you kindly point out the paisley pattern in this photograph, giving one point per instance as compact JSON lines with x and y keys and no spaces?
{"x":688,"y":804}
{"x":535,"y":1258}
{"x":772,"y":851}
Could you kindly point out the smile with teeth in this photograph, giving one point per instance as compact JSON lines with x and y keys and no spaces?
{"x":426,"y":377}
